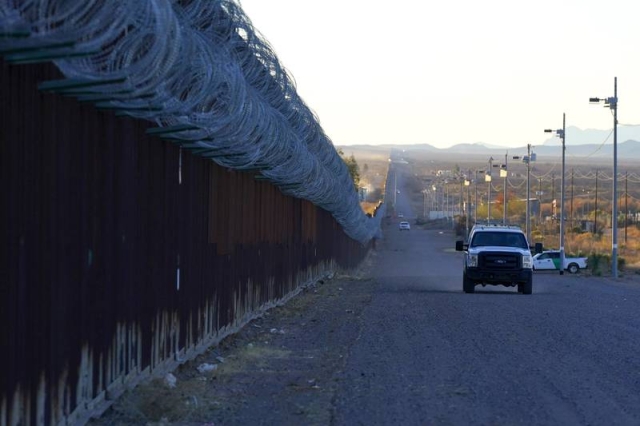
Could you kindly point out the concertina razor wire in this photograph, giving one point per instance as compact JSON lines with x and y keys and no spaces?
{"x":199,"y":71}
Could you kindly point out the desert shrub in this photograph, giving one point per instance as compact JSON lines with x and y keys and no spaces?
{"x":597,"y":262}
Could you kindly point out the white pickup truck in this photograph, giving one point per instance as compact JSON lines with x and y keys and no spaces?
{"x":550,"y":260}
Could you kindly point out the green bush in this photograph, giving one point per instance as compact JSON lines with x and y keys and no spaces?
{"x":597,"y":262}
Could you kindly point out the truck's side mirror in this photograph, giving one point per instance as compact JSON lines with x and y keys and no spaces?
{"x":460,"y":246}
{"x":538,"y":248}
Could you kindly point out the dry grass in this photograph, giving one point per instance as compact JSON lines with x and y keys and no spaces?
{"x":598,"y":245}
{"x":369,"y":207}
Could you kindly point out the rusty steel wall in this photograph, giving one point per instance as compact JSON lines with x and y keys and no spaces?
{"x":122,"y":255}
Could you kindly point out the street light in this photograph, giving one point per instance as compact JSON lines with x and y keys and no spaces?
{"x":487,"y":179}
{"x":612,"y":103}
{"x":503,"y":174}
{"x":467,"y":183}
{"x":438,"y":203}
{"x":561,"y":134}
{"x":424,"y":203}
{"x":395,"y":189}
{"x":461,"y":179}
{"x":445,"y":200}
{"x":475,"y":210}
{"x":527,"y":159}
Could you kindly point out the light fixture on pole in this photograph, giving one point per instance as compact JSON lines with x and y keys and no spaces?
{"x":504,"y":174}
{"x":424,"y":203}
{"x":561,"y":134}
{"x":475,"y":209}
{"x":445,"y":200}
{"x":527,"y":159}
{"x":435,"y":202}
{"x":395,"y":188}
{"x":461,"y":179}
{"x":612,"y":103}
{"x":467,"y":183}
{"x":487,"y":179}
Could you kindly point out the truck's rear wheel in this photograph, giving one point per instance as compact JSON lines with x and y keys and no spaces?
{"x":467,"y":285}
{"x":573,"y":268}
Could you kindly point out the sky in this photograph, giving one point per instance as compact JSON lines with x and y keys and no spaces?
{"x":497,"y":72}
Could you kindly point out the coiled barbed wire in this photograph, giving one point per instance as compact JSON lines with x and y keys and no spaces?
{"x":199,"y":69}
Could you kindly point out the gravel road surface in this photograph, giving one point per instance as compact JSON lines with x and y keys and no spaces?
{"x":398,"y":342}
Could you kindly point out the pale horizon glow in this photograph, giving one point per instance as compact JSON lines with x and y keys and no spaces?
{"x":443,"y":73}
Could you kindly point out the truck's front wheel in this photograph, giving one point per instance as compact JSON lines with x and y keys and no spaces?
{"x":467,"y":285}
{"x":527,"y":286}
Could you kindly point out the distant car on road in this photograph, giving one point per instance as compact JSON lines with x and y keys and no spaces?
{"x":400,"y":215}
{"x":550,"y":260}
{"x":404,"y":226}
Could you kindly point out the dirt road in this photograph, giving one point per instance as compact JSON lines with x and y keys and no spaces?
{"x":400,"y":343}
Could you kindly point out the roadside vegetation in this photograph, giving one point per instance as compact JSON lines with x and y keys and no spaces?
{"x":587,"y":219}
{"x":587,"y":230}
{"x":368,"y":169}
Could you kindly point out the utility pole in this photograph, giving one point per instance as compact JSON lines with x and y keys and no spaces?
{"x":395,"y":189}
{"x":504,"y":196}
{"x":445,"y":202}
{"x":475,"y":205}
{"x":612,"y":103}
{"x":614,"y":219}
{"x":562,"y":196}
{"x":561,"y":134}
{"x":468,"y":183}
{"x":553,"y":193}
{"x":527,"y":218}
{"x":475,"y":209}
{"x":460,"y":204}
{"x":424,"y":203}
{"x":488,"y":179}
{"x":540,"y":199}
{"x":626,"y":205}
{"x":527,"y":159}
{"x":595,"y":213}
{"x":571,"y":215}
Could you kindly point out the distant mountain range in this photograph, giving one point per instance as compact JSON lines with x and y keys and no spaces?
{"x":590,"y":143}
{"x":577,"y":136}
{"x":627,"y":149}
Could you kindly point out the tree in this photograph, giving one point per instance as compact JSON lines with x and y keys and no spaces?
{"x":354,"y":169}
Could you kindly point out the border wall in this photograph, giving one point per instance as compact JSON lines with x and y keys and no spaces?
{"x":123,"y":256}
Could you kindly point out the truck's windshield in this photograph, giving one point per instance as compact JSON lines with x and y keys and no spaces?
{"x":501,"y":239}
